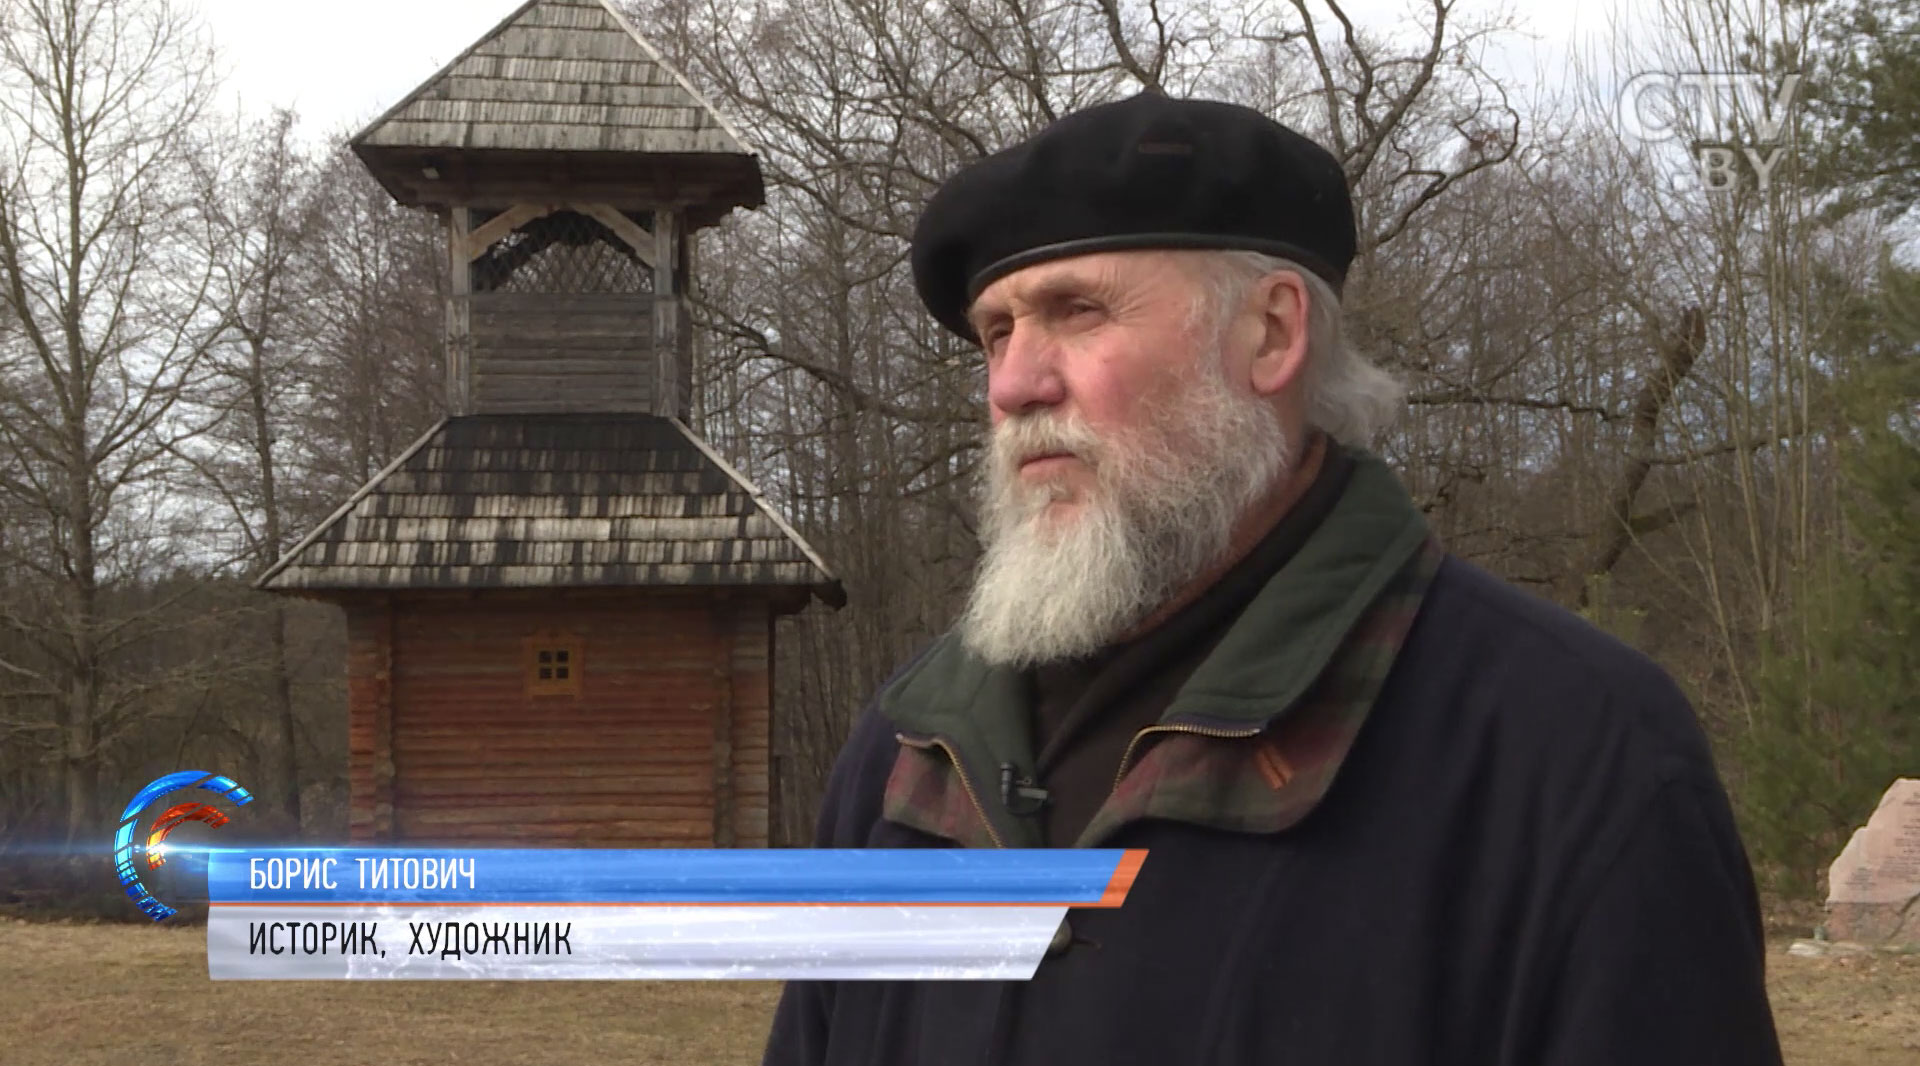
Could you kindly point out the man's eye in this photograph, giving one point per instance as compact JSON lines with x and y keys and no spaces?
{"x":1082,"y":307}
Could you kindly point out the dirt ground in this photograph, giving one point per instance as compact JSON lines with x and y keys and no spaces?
{"x":94,"y":995}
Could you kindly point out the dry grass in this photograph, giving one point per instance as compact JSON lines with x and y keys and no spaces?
{"x":93,"y":995}
{"x":107,"y":995}
{"x":1847,"y":1011}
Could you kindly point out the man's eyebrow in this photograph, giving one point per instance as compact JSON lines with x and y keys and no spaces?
{"x":1051,"y":290}
{"x":1064,"y":286}
{"x":980,"y":318}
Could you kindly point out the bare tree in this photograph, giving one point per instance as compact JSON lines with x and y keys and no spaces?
{"x":255,"y":194}
{"x":105,"y":294}
{"x":369,"y":286}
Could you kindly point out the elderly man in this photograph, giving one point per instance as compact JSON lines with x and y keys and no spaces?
{"x":1396,"y":811}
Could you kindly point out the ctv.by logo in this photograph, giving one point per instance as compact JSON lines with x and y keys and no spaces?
{"x":1731,"y":120}
{"x":130,"y":854}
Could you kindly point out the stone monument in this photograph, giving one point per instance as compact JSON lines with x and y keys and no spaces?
{"x":1873,"y":888}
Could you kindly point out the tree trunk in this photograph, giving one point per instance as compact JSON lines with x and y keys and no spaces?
{"x":272,"y":543}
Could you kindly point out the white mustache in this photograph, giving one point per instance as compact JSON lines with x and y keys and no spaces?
{"x":1022,"y":437}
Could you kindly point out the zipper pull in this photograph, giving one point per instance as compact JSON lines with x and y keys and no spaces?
{"x":1021,"y":795}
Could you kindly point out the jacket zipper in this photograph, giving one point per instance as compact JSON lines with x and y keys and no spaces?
{"x":966,"y":783}
{"x":1126,"y":757}
{"x":1002,"y":1028}
{"x":1126,"y":761}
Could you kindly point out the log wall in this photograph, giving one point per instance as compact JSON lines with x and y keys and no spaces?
{"x":664,"y":744}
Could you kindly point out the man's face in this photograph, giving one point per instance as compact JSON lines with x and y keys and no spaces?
{"x":1099,"y":341}
{"x":1125,"y":450}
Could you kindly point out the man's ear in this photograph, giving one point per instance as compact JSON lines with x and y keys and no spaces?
{"x":1283,"y":304}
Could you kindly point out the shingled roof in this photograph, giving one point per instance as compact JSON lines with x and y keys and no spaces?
{"x":553,"y":501}
{"x":557,"y":75}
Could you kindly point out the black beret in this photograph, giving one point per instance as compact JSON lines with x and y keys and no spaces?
{"x":1146,"y":172}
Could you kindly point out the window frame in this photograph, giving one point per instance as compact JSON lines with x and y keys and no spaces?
{"x":567,"y":645}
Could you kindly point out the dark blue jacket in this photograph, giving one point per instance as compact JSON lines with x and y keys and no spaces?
{"x":1526,"y":859}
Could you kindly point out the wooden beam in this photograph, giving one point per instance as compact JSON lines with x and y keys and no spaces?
{"x":666,"y":314}
{"x":459,"y":314}
{"x":751,"y":737}
{"x":383,"y":768}
{"x":724,"y":834}
{"x":775,"y":835}
{"x":629,"y":231}
{"x":502,"y":224}
{"x":683,"y":355}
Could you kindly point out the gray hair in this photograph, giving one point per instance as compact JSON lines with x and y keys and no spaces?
{"x":1348,"y":397}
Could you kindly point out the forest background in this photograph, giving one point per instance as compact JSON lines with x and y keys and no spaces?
{"x":1661,"y":360}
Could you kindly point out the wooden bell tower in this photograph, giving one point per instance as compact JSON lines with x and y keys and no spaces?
{"x":560,"y":599}
{"x":572,"y":166}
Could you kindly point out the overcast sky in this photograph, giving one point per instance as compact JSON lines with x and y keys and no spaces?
{"x":341,"y":63}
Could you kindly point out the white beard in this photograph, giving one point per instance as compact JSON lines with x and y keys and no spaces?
{"x":1162,"y":510}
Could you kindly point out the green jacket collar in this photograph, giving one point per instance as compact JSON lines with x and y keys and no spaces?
{"x":1281,"y":644}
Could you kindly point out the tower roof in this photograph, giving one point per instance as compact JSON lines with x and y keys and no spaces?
{"x":554,"y":501}
{"x":566,"y":77}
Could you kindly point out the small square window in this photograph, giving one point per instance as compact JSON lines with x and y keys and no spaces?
{"x":553,"y":665}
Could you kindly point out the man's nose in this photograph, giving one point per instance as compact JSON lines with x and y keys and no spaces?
{"x":1026,"y":376}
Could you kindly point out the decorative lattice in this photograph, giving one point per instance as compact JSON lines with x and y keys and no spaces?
{"x":564,"y":252}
